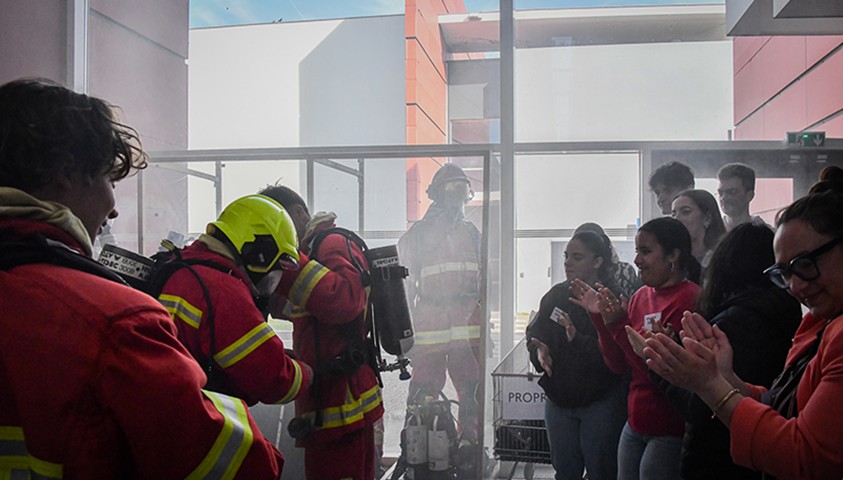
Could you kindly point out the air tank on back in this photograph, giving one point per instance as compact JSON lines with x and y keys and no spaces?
{"x":393,"y":324}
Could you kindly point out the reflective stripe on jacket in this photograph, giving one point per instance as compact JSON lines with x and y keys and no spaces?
{"x":251,"y":361}
{"x":443,"y":258}
{"x":455,"y":333}
{"x":328,"y":297}
{"x":112,"y":393}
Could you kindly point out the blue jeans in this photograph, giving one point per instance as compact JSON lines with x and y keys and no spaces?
{"x":648,"y":458}
{"x":586,"y":436}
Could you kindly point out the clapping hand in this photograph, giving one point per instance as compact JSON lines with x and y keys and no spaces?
{"x":637,"y":341}
{"x":691,"y":365}
{"x":697,"y":328}
{"x":601,"y":301}
{"x":545,"y":360}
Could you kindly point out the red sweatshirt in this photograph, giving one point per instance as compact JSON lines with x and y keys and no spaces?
{"x":649,"y":411}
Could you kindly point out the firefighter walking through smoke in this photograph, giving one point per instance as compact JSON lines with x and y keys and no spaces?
{"x":326,"y":300}
{"x":442,"y":253}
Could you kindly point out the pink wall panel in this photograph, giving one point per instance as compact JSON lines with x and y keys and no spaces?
{"x":780,"y":61}
{"x":744,"y":48}
{"x":817,"y":47}
{"x":751,"y":128}
{"x":771,"y":195}
{"x":824,"y":86}
{"x":786,"y":113}
{"x":833,"y":128}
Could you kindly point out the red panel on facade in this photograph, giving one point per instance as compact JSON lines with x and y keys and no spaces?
{"x":824,"y":87}
{"x":781,"y":60}
{"x":427,"y":92}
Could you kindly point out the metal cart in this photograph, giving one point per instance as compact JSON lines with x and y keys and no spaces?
{"x":518,"y":408}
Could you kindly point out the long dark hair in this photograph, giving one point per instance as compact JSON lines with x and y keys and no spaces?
{"x":737,"y":266}
{"x":600,"y":246}
{"x":708,"y":206}
{"x":672,"y":235}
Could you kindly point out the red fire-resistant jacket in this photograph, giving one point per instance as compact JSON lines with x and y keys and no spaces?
{"x":94,"y":384}
{"x":325,"y":296}
{"x":249,"y":357}
{"x":443,"y":257}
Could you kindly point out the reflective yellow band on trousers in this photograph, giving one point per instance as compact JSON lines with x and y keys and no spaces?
{"x":352,"y":411}
{"x":17,"y":463}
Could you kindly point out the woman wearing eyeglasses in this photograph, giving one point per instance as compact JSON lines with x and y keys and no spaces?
{"x":794,"y":430}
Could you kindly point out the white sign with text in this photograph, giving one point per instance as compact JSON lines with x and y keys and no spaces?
{"x":522,"y":399}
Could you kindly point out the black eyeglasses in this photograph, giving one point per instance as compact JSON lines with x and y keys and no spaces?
{"x":803,"y":266}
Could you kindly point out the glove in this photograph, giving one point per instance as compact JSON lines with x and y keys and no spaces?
{"x":319,"y":221}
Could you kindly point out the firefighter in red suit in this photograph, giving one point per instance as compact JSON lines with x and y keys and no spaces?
{"x":442,"y":253}
{"x":326,"y":301}
{"x":220,"y":302}
{"x":94,"y":382}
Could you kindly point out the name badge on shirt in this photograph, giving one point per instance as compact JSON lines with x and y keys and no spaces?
{"x":650,"y":319}
{"x":556,"y":314}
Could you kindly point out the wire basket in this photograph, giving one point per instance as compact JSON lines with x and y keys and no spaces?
{"x":518,"y":409}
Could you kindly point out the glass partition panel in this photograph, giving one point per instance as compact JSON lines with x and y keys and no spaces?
{"x":557,"y":193}
{"x":447,"y":251}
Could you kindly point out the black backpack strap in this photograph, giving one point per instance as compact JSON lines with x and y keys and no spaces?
{"x":36,"y":248}
{"x":358,"y":351}
{"x":168,"y":263}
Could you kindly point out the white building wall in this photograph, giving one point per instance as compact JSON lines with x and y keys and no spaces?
{"x":655,"y":91}
{"x":318,"y":83}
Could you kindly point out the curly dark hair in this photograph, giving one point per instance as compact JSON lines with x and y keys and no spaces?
{"x":47,"y":131}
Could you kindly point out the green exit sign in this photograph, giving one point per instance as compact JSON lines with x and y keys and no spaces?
{"x":806,"y":139}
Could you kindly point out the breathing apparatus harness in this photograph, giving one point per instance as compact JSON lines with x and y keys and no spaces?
{"x":36,"y":248}
{"x":365,"y":350}
{"x":150,"y":275}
